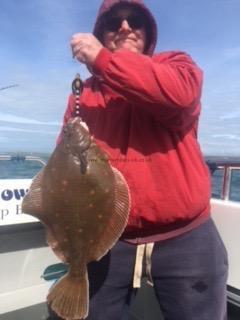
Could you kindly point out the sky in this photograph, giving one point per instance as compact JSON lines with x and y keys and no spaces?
{"x":35,"y":55}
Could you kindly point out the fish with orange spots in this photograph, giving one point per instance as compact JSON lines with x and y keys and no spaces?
{"x":84,"y":204}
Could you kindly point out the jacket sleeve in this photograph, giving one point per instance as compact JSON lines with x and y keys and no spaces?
{"x":167,"y":80}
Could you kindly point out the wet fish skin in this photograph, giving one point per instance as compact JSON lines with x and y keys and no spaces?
{"x":80,"y":142}
{"x":84,"y":204}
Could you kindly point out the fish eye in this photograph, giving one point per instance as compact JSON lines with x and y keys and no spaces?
{"x":70,"y":125}
{"x":67,"y":129}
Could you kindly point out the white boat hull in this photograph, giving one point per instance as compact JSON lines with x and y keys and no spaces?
{"x":20,"y":278}
{"x":226,"y":215}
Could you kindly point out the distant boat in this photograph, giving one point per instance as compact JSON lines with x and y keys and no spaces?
{"x":8,"y":87}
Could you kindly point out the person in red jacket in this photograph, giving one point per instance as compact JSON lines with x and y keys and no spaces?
{"x":143,"y":110}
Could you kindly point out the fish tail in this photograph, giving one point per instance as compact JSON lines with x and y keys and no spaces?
{"x":69,"y":297}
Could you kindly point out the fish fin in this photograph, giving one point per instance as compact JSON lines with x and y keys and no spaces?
{"x":54,"y":245}
{"x":69,"y":297}
{"x":32,"y":202}
{"x":118,"y":220}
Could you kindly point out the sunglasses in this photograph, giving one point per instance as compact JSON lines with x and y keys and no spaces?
{"x":135,"y":21}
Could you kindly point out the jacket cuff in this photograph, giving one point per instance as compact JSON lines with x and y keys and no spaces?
{"x":101,"y":61}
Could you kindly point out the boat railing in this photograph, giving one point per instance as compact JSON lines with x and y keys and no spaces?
{"x":225,"y":209}
{"x":226,"y":180}
{"x":22,"y":158}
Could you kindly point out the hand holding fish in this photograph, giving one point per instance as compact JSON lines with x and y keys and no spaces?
{"x":85,"y":47}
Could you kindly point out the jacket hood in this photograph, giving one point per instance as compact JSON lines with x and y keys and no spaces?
{"x":108,"y":5}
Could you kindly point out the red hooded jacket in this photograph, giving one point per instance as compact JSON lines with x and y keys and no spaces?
{"x":143,"y":109}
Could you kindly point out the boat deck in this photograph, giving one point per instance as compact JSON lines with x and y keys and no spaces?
{"x":145,"y":307}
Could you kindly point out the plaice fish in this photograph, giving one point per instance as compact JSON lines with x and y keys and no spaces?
{"x":84,"y":204}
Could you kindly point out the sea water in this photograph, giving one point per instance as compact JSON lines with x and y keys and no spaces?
{"x":19,"y":168}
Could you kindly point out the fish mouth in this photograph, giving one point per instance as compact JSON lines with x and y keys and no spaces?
{"x":82,"y":123}
{"x":81,"y":162}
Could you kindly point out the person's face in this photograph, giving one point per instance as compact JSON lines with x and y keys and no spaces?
{"x":124,"y":29}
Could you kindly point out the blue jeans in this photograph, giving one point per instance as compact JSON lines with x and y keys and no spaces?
{"x":189,"y":274}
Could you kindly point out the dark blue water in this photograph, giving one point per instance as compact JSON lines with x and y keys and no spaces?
{"x":18,"y":168}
